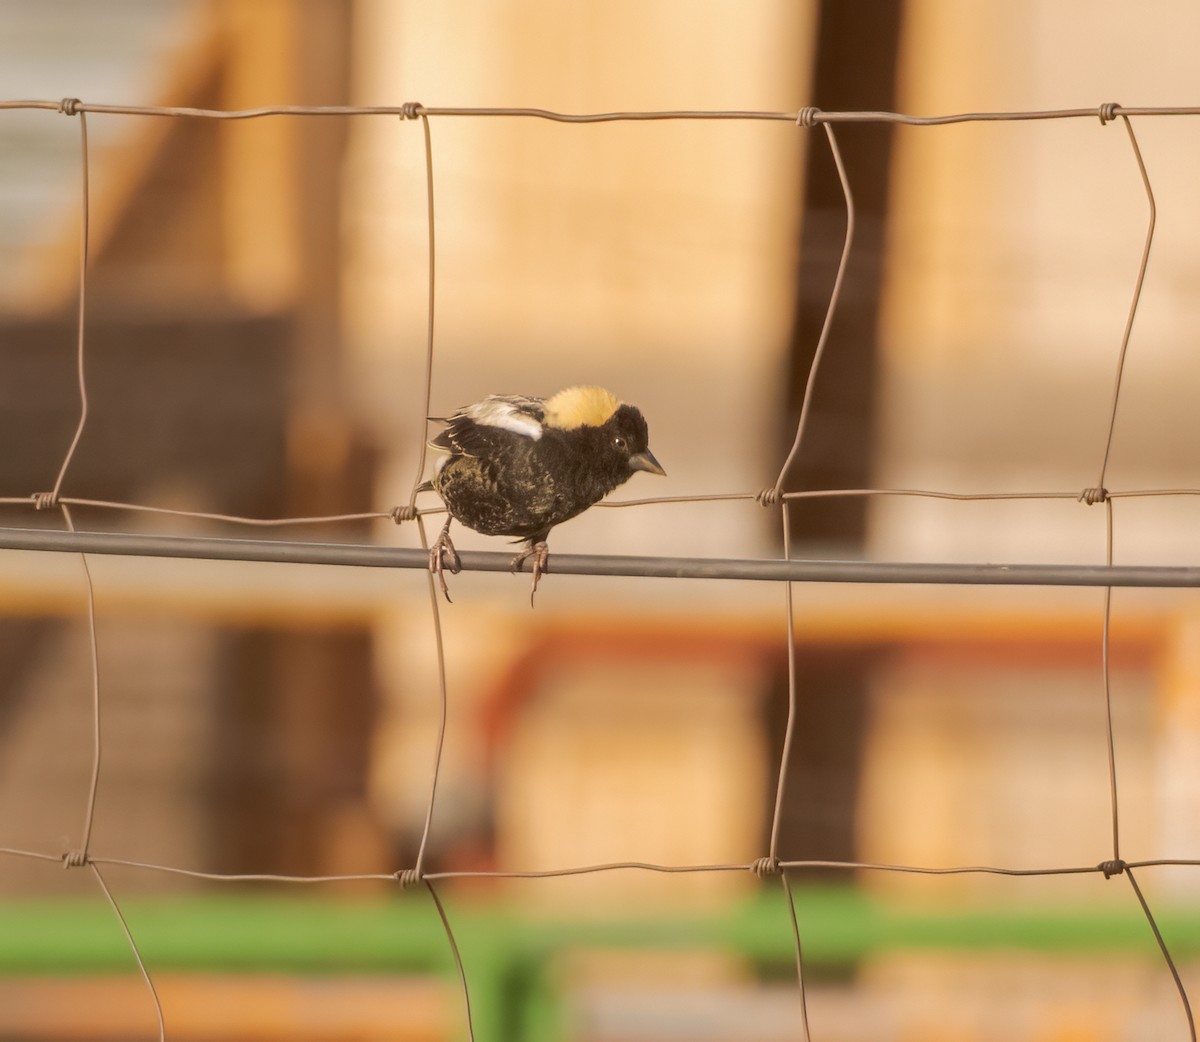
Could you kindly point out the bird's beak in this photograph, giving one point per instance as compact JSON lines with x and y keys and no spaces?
{"x":646,"y":461}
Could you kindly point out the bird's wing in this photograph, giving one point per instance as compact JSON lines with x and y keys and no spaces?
{"x":474,"y":430}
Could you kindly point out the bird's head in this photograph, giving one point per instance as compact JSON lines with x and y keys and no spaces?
{"x":617,"y":432}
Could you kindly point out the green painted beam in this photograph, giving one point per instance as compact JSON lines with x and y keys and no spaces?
{"x":306,"y":934}
{"x":513,"y":961}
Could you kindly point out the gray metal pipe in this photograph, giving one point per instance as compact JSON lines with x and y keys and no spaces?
{"x":372,"y":556}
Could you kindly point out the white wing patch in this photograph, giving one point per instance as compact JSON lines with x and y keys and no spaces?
{"x":511,"y":413}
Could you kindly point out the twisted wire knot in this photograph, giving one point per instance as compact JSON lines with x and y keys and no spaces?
{"x":411,"y":110}
{"x":407,"y":877}
{"x":1108,"y":112}
{"x":44,"y":500}
{"x":1112,"y":868}
{"x":807,"y":116}
{"x":406,"y":512}
{"x":1092,"y":496}
{"x":765,"y":866}
{"x":74,"y":859}
{"x":768,"y":497}
{"x":69,"y":106}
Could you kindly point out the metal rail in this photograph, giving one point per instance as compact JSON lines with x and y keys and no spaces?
{"x":373,"y":556}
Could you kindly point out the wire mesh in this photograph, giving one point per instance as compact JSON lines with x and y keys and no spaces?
{"x":787,"y":570}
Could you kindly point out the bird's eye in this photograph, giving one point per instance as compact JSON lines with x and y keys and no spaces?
{"x":620,"y":442}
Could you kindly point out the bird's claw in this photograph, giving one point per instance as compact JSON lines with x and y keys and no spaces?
{"x":540,"y":554}
{"x":444,"y":558}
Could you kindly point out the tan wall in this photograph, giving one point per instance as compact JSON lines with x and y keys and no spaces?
{"x":1013,"y":255}
{"x":656,"y":258}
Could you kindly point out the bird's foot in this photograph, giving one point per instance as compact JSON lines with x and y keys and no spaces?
{"x":540,"y":554}
{"x":444,"y":558}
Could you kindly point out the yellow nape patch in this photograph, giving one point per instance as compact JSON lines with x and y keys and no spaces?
{"x":580,"y":407}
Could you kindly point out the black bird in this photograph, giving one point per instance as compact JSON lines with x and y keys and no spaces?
{"x":519,"y":466}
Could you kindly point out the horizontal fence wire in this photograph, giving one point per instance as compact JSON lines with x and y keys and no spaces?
{"x":808,"y":116}
{"x":759,"y":867}
{"x":787,"y":570}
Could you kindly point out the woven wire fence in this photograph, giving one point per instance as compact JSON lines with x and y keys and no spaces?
{"x":779,"y":497}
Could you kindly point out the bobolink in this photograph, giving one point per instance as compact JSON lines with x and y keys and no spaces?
{"x":519,"y":466}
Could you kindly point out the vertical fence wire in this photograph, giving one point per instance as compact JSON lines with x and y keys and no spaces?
{"x":133,"y":947}
{"x":1166,"y":953}
{"x":82,"y":856}
{"x":1106,"y":633}
{"x":1101,"y":493}
{"x":417,"y":874}
{"x":772,"y":495}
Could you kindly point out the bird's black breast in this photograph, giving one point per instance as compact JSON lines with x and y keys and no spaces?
{"x":511,"y":484}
